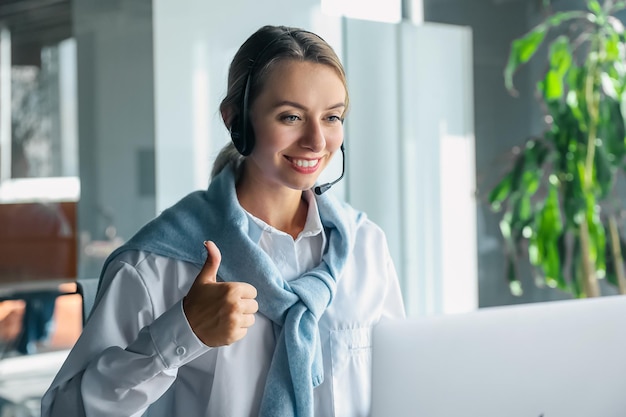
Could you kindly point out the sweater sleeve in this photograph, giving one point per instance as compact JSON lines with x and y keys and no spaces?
{"x":125,"y":359}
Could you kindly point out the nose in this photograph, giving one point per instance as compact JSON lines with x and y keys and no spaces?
{"x":313,"y":137}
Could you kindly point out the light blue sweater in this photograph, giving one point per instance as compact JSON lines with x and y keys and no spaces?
{"x":294,"y":307}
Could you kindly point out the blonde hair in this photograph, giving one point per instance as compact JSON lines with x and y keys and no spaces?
{"x":228,"y":155}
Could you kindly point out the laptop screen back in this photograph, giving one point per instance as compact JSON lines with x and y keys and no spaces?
{"x":555,"y":359}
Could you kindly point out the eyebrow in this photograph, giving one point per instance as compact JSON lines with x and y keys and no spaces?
{"x":300,"y":106}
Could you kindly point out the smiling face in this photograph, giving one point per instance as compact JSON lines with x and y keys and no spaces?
{"x":297,"y":122}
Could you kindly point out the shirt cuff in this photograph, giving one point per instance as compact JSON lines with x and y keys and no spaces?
{"x":174,"y":339}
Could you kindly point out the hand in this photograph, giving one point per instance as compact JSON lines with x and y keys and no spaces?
{"x":219,"y":313}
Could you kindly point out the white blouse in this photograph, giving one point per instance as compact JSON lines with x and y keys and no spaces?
{"x":138,"y":355}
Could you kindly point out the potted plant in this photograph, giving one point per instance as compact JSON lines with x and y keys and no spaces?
{"x":559,"y":205}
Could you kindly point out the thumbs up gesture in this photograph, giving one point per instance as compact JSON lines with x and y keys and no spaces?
{"x":219,"y":313}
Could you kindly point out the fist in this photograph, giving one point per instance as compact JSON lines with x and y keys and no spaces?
{"x":219,"y":313}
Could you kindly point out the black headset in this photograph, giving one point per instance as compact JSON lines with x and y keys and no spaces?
{"x":240,"y":132}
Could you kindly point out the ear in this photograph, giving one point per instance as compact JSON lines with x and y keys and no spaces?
{"x":227,"y":117}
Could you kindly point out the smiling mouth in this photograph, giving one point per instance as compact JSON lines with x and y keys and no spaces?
{"x":304,"y":163}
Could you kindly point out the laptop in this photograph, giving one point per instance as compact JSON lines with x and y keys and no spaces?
{"x":552,"y":359}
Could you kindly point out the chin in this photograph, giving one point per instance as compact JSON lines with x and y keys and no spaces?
{"x":302,"y":187}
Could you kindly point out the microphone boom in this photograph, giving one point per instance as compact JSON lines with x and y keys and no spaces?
{"x":321,"y":189}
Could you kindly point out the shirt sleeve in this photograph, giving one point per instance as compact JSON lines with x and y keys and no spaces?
{"x":393,"y":306}
{"x":125,"y":359}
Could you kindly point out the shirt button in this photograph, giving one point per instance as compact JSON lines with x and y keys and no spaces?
{"x":180,"y":350}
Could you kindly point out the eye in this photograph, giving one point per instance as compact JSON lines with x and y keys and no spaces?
{"x":335,"y":118}
{"x":290,"y":118}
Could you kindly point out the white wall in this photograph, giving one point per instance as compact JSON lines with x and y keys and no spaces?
{"x":439,"y":175}
{"x":411,"y":153}
{"x":116,"y":118}
{"x":372,"y":128}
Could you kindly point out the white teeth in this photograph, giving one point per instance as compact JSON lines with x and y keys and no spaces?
{"x":305,"y":163}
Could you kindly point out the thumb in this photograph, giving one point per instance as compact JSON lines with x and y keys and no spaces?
{"x":212,"y":263}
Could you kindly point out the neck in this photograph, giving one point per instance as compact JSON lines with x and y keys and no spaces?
{"x":280,"y":207}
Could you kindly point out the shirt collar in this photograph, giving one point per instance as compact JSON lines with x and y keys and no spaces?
{"x":312,"y":227}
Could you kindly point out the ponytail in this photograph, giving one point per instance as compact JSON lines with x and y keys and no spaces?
{"x":228,"y":155}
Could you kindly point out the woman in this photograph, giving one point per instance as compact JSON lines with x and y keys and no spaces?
{"x":175,"y":329}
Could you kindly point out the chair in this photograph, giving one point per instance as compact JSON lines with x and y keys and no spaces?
{"x":87,"y":288}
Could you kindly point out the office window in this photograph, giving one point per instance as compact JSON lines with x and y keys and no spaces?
{"x":38,"y":146}
{"x":39,"y":187}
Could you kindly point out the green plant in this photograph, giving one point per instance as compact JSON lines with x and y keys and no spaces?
{"x":559,"y":202}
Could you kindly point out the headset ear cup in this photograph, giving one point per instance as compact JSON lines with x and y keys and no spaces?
{"x":236,"y":135}
{"x":242,"y":136}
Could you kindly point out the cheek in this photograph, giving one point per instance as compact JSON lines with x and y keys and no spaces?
{"x":334,"y":139}
{"x":274,"y":139}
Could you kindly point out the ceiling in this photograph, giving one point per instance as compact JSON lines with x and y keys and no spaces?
{"x":34,"y":24}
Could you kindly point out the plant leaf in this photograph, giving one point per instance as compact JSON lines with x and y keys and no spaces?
{"x":549,"y":228}
{"x":597,"y":237}
{"x":622,"y":107}
{"x":553,"y":86}
{"x":604,"y":172}
{"x":500,"y":192}
{"x":560,"y":55}
{"x":612,"y":130}
{"x":560,"y":17}
{"x":595,"y":7}
{"x":611,"y":47}
{"x":574,"y":201}
{"x":608,"y":86}
{"x":522,"y":49}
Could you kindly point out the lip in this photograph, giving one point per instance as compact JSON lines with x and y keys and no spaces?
{"x":304,"y":165}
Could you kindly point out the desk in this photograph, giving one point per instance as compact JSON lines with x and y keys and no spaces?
{"x":13,"y":290}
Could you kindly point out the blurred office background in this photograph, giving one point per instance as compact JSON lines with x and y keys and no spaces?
{"x":109,"y":114}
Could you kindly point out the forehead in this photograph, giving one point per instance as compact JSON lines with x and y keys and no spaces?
{"x":293,"y":78}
